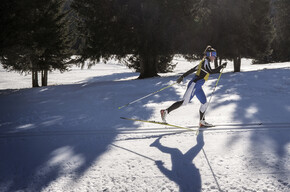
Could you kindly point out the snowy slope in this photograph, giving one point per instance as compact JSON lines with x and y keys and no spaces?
{"x":69,"y":137}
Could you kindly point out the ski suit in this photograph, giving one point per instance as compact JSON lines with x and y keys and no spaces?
{"x":194,"y":87}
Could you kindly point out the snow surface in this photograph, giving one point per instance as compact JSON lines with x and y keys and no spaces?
{"x":69,"y":137}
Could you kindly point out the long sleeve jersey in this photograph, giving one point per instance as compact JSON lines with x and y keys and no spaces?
{"x":203,"y":70}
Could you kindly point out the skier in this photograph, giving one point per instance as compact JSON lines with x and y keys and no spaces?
{"x":194,"y":87}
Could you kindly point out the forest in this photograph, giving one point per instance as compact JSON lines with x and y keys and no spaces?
{"x":40,"y":36}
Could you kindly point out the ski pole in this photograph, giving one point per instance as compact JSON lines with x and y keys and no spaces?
{"x":197,"y":131}
{"x":213,"y":92}
{"x":146,"y":96}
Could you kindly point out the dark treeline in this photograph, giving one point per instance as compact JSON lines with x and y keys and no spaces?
{"x":34,"y":37}
{"x":40,"y":36}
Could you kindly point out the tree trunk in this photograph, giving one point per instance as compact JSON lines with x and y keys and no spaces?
{"x":148,"y":66}
{"x":237,"y":64}
{"x":34,"y":78}
{"x":34,"y":74}
{"x":44,"y":77}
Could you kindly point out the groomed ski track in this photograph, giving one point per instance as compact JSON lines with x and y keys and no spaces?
{"x":162,"y":129}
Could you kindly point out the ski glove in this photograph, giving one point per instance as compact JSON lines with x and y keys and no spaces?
{"x":224,"y":65}
{"x":179,"y":79}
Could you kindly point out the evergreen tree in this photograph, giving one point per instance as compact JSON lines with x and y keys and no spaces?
{"x":42,"y":40}
{"x":240,"y":28}
{"x":281,"y":43}
{"x":230,"y":22}
{"x":148,"y":29}
{"x":9,"y":30}
{"x":261,"y":31}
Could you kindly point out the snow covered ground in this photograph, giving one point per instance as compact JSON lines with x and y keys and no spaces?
{"x":69,"y":137}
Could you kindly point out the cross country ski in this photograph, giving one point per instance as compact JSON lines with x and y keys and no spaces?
{"x":191,"y":128}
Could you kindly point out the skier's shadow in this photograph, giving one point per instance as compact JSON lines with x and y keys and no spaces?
{"x":183,"y":171}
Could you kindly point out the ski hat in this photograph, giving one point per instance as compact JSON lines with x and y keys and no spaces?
{"x":209,"y":51}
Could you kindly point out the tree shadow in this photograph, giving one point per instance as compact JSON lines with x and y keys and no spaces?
{"x":52,"y":133}
{"x":55,"y":132}
{"x":183,"y":171}
{"x":259,"y":96}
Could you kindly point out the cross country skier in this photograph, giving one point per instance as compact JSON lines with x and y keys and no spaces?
{"x":194,"y":87}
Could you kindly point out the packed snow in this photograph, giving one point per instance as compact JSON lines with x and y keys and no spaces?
{"x":68,"y":136}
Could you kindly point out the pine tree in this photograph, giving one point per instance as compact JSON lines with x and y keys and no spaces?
{"x":147,"y":29}
{"x":10,"y":25}
{"x":261,"y":31}
{"x":281,"y":43}
{"x":228,"y":29}
{"x":240,"y":28}
{"x":42,"y":40}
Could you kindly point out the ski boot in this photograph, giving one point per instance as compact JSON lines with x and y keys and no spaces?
{"x":203,"y":123}
{"x":163,"y":113}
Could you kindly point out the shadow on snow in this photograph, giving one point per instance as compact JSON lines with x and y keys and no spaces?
{"x":71,"y":114}
{"x":49,"y":133}
{"x":183,"y":171}
{"x":263,"y":96}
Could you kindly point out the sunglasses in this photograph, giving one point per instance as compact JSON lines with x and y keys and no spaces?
{"x":211,"y":54}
